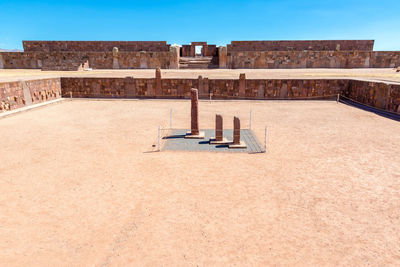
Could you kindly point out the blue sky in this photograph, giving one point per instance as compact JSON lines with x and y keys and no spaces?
{"x":217,"y":22}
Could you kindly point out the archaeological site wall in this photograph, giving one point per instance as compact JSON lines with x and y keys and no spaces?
{"x":312,"y":45}
{"x":94,"y":46}
{"x":24,"y":93}
{"x":72,"y":55}
{"x":312,"y":59}
{"x":380,"y":95}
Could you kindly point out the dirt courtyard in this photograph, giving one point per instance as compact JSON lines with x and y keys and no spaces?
{"x":80,"y":185}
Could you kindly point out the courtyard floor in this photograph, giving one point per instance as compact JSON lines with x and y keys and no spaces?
{"x":81,"y":184}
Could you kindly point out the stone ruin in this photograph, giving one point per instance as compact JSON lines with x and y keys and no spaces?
{"x":68,"y":55}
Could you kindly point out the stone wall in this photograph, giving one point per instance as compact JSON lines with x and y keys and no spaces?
{"x":71,"y":61}
{"x":94,"y":46}
{"x":312,"y":59}
{"x":312,"y":45}
{"x":380,"y":95}
{"x":20,"y":60}
{"x":219,"y":88}
{"x":23,"y":93}
{"x":376,"y":94}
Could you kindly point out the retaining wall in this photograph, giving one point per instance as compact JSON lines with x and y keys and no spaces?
{"x":312,"y":59}
{"x":23,"y":93}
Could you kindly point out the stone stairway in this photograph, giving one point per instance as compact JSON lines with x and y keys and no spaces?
{"x":196,"y":63}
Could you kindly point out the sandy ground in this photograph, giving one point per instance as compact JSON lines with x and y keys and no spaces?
{"x":364,"y":74}
{"x":80,"y":186}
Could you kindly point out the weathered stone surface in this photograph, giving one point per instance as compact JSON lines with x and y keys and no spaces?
{"x":223,"y":57}
{"x":236,"y":131}
{"x":242,"y":85}
{"x":23,"y":93}
{"x":115,"y":58}
{"x":194,"y":111}
{"x":158,"y":83}
{"x":219,"y":130}
{"x":174,"y":57}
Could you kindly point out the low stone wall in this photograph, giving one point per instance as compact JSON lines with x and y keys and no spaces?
{"x":380,"y":95}
{"x":218,"y":88}
{"x":23,"y":93}
{"x":312,"y":59}
{"x":376,"y":94}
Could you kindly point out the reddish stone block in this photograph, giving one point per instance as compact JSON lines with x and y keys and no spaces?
{"x":194,"y":94}
{"x":236,"y":131}
{"x":218,"y":128}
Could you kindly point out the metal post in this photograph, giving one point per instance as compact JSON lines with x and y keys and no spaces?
{"x":70,"y":94}
{"x":210,"y":96}
{"x":265,"y":141}
{"x":170,"y":118}
{"x":159,"y":138}
{"x":251,"y":111}
{"x":338,"y":98}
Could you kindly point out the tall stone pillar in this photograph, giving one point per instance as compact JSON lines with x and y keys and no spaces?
{"x":242,"y":85}
{"x":115,"y":58}
{"x":236,"y":130}
{"x":218,"y":128}
{"x":194,"y":120}
{"x":222,"y":57}
{"x":158,"y":83}
{"x":174,"y":57}
{"x":1,"y":62}
{"x":236,"y":135}
{"x":194,"y":96}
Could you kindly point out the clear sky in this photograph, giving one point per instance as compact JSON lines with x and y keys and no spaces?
{"x":217,"y":22}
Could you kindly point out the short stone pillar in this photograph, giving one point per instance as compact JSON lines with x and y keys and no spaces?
{"x":242,"y":85}
{"x":236,"y":135}
{"x":158,"y":83}
{"x":194,"y":120}
{"x":115,"y":58}
{"x":223,"y":57}
{"x":218,"y":128}
{"x":174,"y":57}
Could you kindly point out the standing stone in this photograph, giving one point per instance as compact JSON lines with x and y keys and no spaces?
{"x":222,"y":57}
{"x":236,"y":131}
{"x":158,"y":83}
{"x":174,"y":57}
{"x":194,"y":94}
{"x":115,"y":58}
{"x":218,"y":128}
{"x":242,"y":85}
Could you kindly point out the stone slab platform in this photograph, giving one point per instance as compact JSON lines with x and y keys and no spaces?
{"x":176,"y":142}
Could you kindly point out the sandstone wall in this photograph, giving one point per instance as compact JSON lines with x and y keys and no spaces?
{"x":312,"y":45}
{"x":312,"y":59}
{"x":94,"y":46}
{"x":70,"y":61}
{"x":23,"y":93}
{"x":376,"y":94}
{"x":219,"y":88}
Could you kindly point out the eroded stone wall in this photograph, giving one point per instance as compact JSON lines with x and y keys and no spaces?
{"x":312,"y":59}
{"x":218,"y":88}
{"x":381,"y":95}
{"x":23,"y":93}
{"x":311,"y":45}
{"x":95,"y":46}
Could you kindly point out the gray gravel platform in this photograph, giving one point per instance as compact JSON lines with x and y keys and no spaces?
{"x":175,"y":141}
